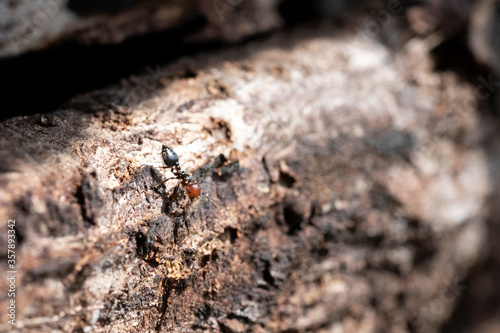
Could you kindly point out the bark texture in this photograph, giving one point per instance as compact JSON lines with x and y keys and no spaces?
{"x":350,"y":184}
{"x":31,"y":25}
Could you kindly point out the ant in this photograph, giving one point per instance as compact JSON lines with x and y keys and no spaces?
{"x":171,"y":160}
{"x":192,"y":188}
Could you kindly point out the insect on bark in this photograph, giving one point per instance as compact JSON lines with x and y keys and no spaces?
{"x":186,"y":181}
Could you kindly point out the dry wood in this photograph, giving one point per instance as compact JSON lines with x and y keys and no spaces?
{"x":349,"y":182}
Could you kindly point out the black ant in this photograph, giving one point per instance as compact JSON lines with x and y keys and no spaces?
{"x":192,"y":188}
{"x":171,"y":160}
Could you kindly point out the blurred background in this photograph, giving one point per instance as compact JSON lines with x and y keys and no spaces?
{"x":80,"y":45}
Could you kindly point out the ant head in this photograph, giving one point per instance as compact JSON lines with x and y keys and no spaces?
{"x":193,"y":190}
{"x":170,"y":157}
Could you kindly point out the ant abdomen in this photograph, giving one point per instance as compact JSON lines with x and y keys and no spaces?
{"x":193,"y":190}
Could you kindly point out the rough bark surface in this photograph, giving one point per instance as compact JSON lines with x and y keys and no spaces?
{"x":350,"y":194}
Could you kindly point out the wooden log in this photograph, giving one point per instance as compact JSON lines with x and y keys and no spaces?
{"x":28,"y":26}
{"x":349,"y":183}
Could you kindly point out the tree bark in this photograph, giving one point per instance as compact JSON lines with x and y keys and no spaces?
{"x":349,"y":194}
{"x":28,"y":26}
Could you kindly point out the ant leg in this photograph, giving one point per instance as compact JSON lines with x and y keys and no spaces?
{"x":166,"y":180}
{"x":210,"y":200}
{"x":186,"y":222}
{"x":170,"y":199}
{"x":186,"y":213}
